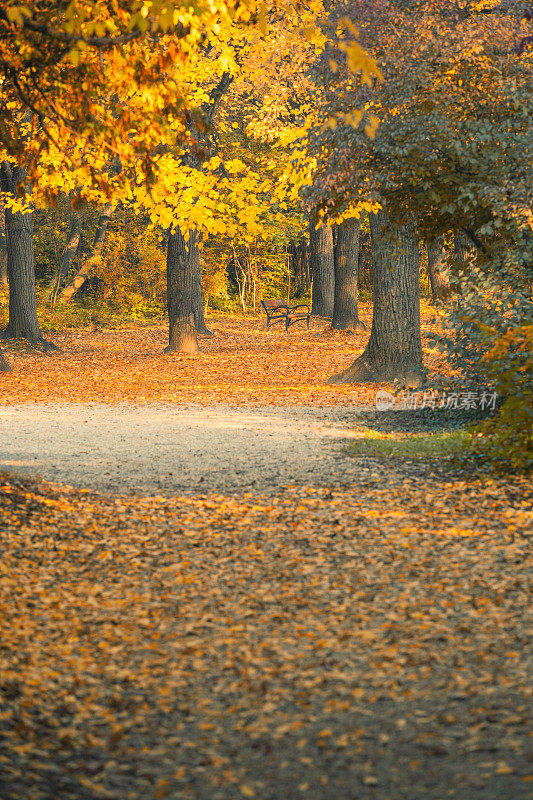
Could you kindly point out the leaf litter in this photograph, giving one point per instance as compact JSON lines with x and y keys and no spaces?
{"x":243,"y":364}
{"x":364,"y":641}
{"x":319,"y":642}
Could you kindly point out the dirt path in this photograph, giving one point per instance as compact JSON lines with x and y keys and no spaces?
{"x":213,"y":601}
{"x":174,"y":449}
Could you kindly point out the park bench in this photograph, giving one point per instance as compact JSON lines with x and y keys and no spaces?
{"x":279,"y":310}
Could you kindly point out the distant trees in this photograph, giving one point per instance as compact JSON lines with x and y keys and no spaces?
{"x":334,"y":268}
{"x":438,"y":270}
{"x":69,"y":253}
{"x":322,"y":268}
{"x":65,"y":294}
{"x":346,"y":261}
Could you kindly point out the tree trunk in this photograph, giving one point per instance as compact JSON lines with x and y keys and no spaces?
{"x":299,"y":265}
{"x":69,"y":254}
{"x":394,"y":350}
{"x":3,"y":248}
{"x":437,"y":269}
{"x":4,"y":363}
{"x":23,"y":322}
{"x":92,"y":257}
{"x":346,"y":260}
{"x":464,"y":251}
{"x":201,"y":327}
{"x":182,"y":292}
{"x":322,"y":269}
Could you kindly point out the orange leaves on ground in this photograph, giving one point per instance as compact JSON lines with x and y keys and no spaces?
{"x":175,"y":646}
{"x":243,"y":364}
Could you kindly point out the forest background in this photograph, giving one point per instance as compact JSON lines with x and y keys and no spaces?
{"x":250,"y":144}
{"x":236,"y":576}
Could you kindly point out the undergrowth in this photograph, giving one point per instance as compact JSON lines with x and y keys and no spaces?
{"x":443,"y":445}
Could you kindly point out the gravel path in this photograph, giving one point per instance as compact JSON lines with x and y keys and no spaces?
{"x":360,"y":636}
{"x":169,"y":449}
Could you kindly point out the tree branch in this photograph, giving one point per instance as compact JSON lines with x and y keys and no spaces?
{"x":476,"y":240}
{"x":72,"y":38}
{"x":209,"y":108}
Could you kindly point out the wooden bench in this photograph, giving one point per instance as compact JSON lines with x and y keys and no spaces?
{"x":279,"y":310}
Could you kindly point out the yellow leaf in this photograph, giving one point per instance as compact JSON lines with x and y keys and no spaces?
{"x":503,"y":768}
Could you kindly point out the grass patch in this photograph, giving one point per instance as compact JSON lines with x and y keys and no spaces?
{"x":419,"y":446}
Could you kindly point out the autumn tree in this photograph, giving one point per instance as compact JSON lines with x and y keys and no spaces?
{"x":23,"y":322}
{"x":394,"y":349}
{"x":97,"y":83}
{"x":438,"y":269}
{"x":322,"y":268}
{"x":346,"y":261}
{"x":453,"y":147}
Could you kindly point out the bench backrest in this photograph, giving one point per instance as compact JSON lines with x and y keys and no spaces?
{"x":271,"y":305}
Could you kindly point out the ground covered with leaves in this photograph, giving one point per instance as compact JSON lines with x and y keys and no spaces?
{"x":320,"y":643}
{"x":359,"y":633}
{"x":242,"y":364}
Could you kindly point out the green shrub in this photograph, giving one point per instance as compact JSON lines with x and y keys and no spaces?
{"x":488,"y":339}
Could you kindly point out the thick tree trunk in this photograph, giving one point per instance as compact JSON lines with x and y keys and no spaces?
{"x":182,"y":292}
{"x":437,"y":269}
{"x":394,"y":350}
{"x":322,"y":269}
{"x":69,"y":254}
{"x":346,"y":261}
{"x":23,"y":322}
{"x":92,"y":257}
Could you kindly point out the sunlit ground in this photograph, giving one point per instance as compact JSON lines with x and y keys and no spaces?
{"x":307,"y":600}
{"x":243,"y":364}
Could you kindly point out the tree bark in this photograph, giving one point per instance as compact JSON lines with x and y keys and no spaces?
{"x":4,"y":363}
{"x":199,"y":318}
{"x":3,"y":248}
{"x":92,"y":257}
{"x":464,"y":251}
{"x":182,"y":292}
{"x":299,"y":265}
{"x":346,"y":261}
{"x":437,"y":269}
{"x":23,"y":322}
{"x":394,"y":350}
{"x":69,"y":254}
{"x":322,"y":269}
